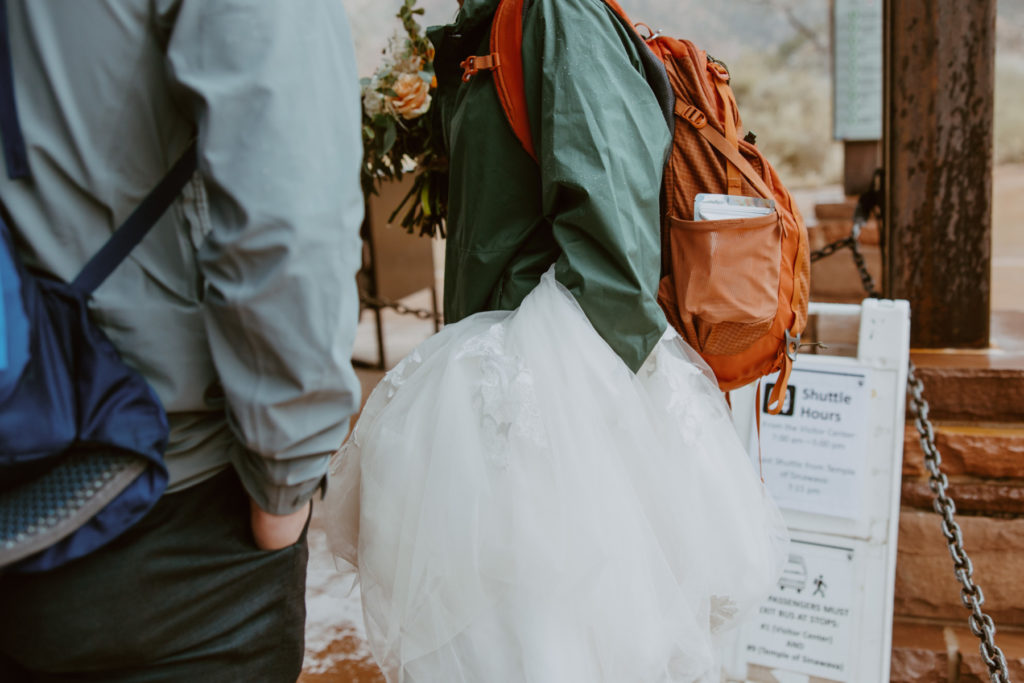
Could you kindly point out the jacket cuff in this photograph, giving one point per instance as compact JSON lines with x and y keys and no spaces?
{"x":636,"y":355}
{"x":282,"y":495}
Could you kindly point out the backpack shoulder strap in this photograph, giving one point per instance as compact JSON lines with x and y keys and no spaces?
{"x":507,"y":48}
{"x":15,"y":154}
{"x":506,"y":63}
{"x":138,"y":224}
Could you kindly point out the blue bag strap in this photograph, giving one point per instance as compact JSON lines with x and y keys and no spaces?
{"x":15,"y":154}
{"x":138,"y":223}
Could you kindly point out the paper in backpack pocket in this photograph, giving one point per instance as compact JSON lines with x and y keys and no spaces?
{"x":719,"y":207}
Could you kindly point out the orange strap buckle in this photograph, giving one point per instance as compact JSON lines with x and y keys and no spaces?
{"x":718,"y":68}
{"x":694,"y":116}
{"x":471,"y":66}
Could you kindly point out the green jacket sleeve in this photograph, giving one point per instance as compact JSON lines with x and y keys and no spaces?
{"x":602,"y":143}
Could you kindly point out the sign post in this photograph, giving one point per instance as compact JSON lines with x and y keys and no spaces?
{"x":857,"y":89}
{"x":857,"y":69}
{"x":832,"y":461}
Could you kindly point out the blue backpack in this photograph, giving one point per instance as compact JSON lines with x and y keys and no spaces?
{"x":82,"y":435}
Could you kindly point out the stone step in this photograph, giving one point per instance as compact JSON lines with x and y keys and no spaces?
{"x":970,"y":497}
{"x":988,"y":451}
{"x":956,"y":391}
{"x":926,"y":587}
{"x":984,"y":464}
{"x":925,"y":652}
{"x":835,"y":221}
{"x":835,"y":278}
{"x":985,"y":385}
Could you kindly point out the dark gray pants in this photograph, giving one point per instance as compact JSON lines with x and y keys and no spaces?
{"x":184,"y":595}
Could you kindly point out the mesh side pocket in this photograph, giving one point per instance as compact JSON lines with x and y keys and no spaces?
{"x":725,"y":278}
{"x":727,"y":338}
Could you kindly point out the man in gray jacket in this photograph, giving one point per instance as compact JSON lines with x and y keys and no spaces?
{"x":239,"y":307}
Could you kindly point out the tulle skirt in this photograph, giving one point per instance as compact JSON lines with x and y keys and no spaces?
{"x":520,"y":507}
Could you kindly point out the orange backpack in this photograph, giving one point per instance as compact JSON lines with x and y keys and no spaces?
{"x":736,"y":290}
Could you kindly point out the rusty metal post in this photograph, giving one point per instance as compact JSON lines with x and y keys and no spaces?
{"x":939,"y":83}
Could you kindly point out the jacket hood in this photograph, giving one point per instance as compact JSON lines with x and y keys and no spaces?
{"x":476,"y":10}
{"x":471,"y":15}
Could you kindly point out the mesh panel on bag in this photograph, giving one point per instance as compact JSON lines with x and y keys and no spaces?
{"x":727,"y":338}
{"x":36,"y":508}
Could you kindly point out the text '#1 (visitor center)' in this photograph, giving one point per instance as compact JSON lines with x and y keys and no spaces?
{"x":832,"y":460}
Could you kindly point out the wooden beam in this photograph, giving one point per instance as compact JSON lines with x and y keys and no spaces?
{"x":939,"y":83}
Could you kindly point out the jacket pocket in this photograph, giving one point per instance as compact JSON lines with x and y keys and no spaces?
{"x":725,"y":280}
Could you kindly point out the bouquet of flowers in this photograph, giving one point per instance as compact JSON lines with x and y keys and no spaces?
{"x":397,"y":135}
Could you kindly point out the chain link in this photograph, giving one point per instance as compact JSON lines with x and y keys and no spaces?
{"x":973,"y":598}
{"x":971,"y":595}
{"x":370,"y":301}
{"x":832,"y":248}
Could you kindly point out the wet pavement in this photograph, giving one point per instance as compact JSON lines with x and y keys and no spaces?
{"x":336,"y":650}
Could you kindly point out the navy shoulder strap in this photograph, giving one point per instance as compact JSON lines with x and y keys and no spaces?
{"x":141,"y":219}
{"x":137,"y":224}
{"x":14,"y":143}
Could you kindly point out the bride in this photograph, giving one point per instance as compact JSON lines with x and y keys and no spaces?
{"x":551,"y":490}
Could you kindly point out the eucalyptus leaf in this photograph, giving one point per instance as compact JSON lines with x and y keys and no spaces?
{"x":390,"y":136}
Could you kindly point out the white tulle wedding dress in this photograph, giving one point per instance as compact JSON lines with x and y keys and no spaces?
{"x":521,"y":508}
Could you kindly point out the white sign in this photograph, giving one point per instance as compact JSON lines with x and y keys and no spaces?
{"x":857,"y":74}
{"x":833,"y":463}
{"x":806,"y":625}
{"x":814,"y":452}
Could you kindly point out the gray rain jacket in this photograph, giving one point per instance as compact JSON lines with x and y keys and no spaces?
{"x":240,"y":305}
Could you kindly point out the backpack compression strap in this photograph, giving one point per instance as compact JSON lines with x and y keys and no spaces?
{"x":696,"y":118}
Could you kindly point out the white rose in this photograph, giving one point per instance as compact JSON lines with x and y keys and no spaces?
{"x":373,"y":102}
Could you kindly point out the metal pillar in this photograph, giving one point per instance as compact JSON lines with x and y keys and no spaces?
{"x":939,"y":83}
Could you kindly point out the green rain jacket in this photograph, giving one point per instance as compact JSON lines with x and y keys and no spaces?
{"x":592,"y":206}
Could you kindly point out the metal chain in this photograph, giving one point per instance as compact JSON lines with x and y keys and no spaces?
{"x":971,"y":596}
{"x":832,"y":248}
{"x":376,"y":302}
{"x":851,"y":241}
{"x":981,"y":624}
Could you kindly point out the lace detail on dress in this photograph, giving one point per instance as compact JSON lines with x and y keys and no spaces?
{"x":383,"y":393}
{"x":506,"y":401}
{"x":401,"y":372}
{"x":723,"y":612}
{"x":688,"y":396}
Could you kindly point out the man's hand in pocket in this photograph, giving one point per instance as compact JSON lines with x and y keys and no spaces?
{"x":273,"y":532}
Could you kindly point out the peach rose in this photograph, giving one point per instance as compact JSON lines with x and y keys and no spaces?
{"x":412,"y":96}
